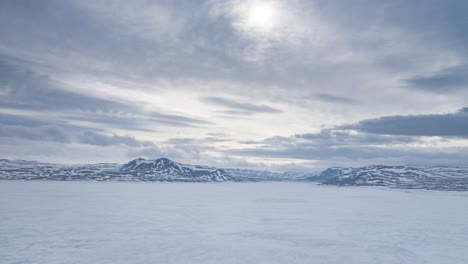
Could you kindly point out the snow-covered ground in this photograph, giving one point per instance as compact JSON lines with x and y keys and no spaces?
{"x":282,"y":222}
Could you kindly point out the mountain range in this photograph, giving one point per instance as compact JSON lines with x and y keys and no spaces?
{"x":406,"y":177}
{"x":163,"y":169}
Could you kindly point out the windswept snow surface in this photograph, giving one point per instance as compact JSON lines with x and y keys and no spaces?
{"x":267,"y":222}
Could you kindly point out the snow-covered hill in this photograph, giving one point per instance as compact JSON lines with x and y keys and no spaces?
{"x":163,"y":169}
{"x":136,"y":170}
{"x":167,"y":170}
{"x":139,"y":169}
{"x":32,"y":170}
{"x":407,"y":177}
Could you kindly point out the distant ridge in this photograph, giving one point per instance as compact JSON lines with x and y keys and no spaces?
{"x":164,"y":169}
{"x":405,"y":177}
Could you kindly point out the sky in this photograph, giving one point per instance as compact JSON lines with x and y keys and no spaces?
{"x":293,"y":85}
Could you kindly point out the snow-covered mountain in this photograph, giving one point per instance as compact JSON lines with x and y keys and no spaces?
{"x":407,"y":177}
{"x":328,"y":174}
{"x":32,"y":170}
{"x":139,"y":169}
{"x":167,"y":170}
{"x":136,"y":170}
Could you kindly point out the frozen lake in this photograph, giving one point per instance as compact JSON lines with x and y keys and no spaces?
{"x":91,"y":222}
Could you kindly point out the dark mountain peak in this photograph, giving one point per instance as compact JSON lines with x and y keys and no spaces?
{"x":141,"y":163}
{"x":168,"y":170}
{"x":133,"y":163}
{"x":166,"y":162}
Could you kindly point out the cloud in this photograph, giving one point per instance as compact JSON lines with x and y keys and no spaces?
{"x":348,"y":148}
{"x":177,"y":119}
{"x":446,"y":81}
{"x":24,"y":89}
{"x":99,"y":139}
{"x":441,"y":125}
{"x":21,"y":120}
{"x":139,"y":120}
{"x":197,"y":141}
{"x":331,"y":137}
{"x":176,"y":71}
{"x":236,"y":107}
{"x":329,"y":98}
{"x":66,"y":134}
{"x":38,"y":133}
{"x":39,"y":124}
{"x":183,"y":153}
{"x":361,"y":155}
{"x":38,"y":129}
{"x":138,"y":19}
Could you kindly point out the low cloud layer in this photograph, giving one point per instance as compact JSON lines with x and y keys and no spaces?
{"x":92,"y":138}
{"x":441,"y":125}
{"x":446,"y":81}
{"x":333,"y":99}
{"x":235,"y":106}
{"x":40,"y":133}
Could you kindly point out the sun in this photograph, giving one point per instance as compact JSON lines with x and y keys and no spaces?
{"x":261,"y":16}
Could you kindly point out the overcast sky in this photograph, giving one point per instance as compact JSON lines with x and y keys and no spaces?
{"x":280,"y":85}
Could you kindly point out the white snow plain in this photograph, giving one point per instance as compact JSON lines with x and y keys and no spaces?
{"x":283,"y":222}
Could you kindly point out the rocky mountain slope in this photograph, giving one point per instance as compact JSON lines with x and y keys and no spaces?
{"x":407,"y":177}
{"x":136,"y":170}
{"x":139,"y":169}
{"x":167,"y":170}
{"x":32,"y":170}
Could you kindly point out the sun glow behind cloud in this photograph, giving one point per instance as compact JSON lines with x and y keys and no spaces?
{"x":261,"y":17}
{"x":266,"y":25}
{"x":253,"y":19}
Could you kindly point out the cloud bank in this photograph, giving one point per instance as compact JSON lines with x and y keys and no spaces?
{"x":263,"y":83}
